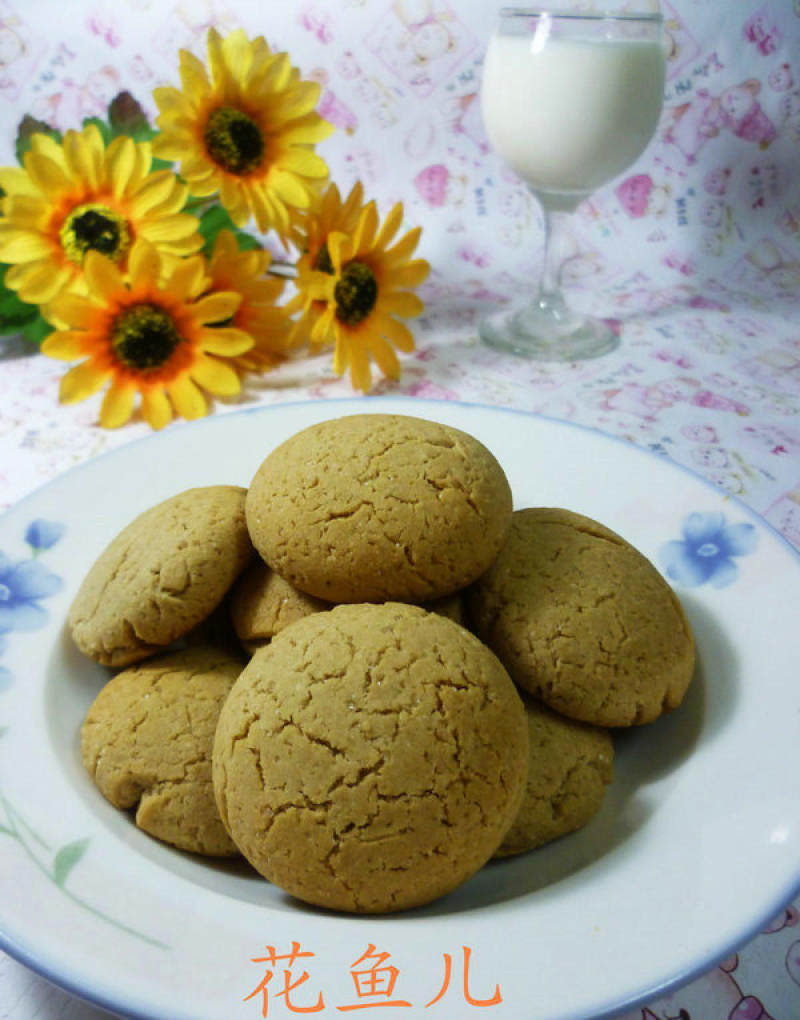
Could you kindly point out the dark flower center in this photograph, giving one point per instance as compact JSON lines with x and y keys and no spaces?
{"x":323,"y":263}
{"x":96,"y":228}
{"x":355,"y":293}
{"x":144,"y":337}
{"x":234,"y":141}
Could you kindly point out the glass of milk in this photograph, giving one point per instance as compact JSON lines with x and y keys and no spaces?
{"x":571,"y":95}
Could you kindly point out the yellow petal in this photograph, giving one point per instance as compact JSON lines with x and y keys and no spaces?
{"x":43,"y":144}
{"x":82,"y":159}
{"x":169,"y":228}
{"x":157,"y":187}
{"x":22,"y":245}
{"x":360,"y":375}
{"x":402,"y":303}
{"x":301,"y":100}
{"x":367,"y":226}
{"x":188,"y":279}
{"x":216,"y":307}
{"x":76,"y":311}
{"x":384,"y":357}
{"x":395,"y":331}
{"x":15,"y":181}
{"x":238,"y":53}
{"x":390,"y":226}
{"x":404,"y":247}
{"x":43,"y":283}
{"x":288,"y":188}
{"x":103,"y":279}
{"x":410,"y":275}
{"x":226,"y":341}
{"x":117,"y":405}
{"x":65,"y":345}
{"x":189,"y":402}
{"x":121,"y":160}
{"x":307,"y":130}
{"x":47,"y":175}
{"x":81,"y":382}
{"x":216,"y":60}
{"x":341,"y":353}
{"x":156,"y":408}
{"x":303,"y":161}
{"x":320,"y":333}
{"x":216,"y":377}
{"x":340,"y":249}
{"x":144,"y":265}
{"x":193,"y":77}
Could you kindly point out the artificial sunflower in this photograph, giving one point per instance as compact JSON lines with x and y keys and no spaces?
{"x":259,"y":315}
{"x":246,"y":132}
{"x":78,"y":196}
{"x":330,"y":214}
{"x":356,"y":291}
{"x":151,"y":334}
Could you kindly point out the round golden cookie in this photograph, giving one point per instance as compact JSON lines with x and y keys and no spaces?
{"x":370,"y":758}
{"x":263,"y":603}
{"x":371,"y":508}
{"x":570,"y":763}
{"x":146,"y":742}
{"x":584,"y":621}
{"x":162,"y":575}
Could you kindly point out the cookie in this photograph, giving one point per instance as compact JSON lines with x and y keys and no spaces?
{"x":570,"y":764}
{"x":372,"y":508}
{"x":584,"y":621}
{"x":371,"y":758}
{"x":146,"y":742}
{"x":161,"y":576}
{"x":263,"y":603}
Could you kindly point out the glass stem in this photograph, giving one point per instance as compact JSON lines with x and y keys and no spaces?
{"x":548,"y":283}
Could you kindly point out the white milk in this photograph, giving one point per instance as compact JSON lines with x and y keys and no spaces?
{"x":574,"y":114}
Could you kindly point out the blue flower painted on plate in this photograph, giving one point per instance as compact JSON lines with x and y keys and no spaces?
{"x":23,"y":584}
{"x":42,"y":534}
{"x":707,"y":552}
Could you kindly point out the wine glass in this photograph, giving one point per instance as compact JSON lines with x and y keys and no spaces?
{"x":570,"y":98}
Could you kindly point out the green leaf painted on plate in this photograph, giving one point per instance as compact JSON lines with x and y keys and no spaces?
{"x":66,"y":859}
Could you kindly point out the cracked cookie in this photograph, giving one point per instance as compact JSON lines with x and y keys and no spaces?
{"x":162,"y":575}
{"x":372,"y":508}
{"x":262,"y":603}
{"x":371,"y":758}
{"x":569,"y":766}
{"x":584,"y":621}
{"x":146,"y":742}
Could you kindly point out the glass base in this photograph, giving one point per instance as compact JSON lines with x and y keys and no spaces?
{"x":546,"y":330}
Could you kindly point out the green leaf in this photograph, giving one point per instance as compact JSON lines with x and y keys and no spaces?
{"x":14,"y":313}
{"x":66,"y":859}
{"x":37,"y":330}
{"x":28,"y":127}
{"x":214,"y":219}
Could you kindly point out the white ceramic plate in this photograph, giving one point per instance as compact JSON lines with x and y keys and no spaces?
{"x":696,"y":847}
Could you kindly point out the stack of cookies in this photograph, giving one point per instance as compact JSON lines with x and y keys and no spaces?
{"x":422,"y":678}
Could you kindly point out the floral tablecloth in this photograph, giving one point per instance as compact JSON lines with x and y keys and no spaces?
{"x":694,"y":254}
